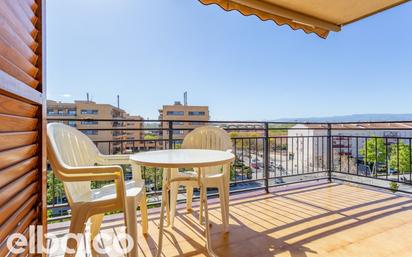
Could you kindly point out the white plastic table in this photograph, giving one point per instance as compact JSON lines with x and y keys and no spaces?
{"x":183,"y":158}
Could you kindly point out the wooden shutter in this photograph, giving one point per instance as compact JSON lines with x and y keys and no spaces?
{"x":22,"y":119}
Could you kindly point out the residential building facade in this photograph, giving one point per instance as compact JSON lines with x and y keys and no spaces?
{"x":127,"y":140}
{"x":186,"y":116}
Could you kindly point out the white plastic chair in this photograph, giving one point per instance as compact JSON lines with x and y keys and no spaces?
{"x":212,"y":138}
{"x":74,"y":159}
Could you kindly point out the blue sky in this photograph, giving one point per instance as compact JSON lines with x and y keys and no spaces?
{"x":150,"y":52}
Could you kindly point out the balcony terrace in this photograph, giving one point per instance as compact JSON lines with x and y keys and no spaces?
{"x":309,"y":219}
{"x":316,"y":190}
{"x":291,"y":195}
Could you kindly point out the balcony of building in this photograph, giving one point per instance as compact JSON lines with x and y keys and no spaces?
{"x":308,"y":219}
{"x":297,"y":197}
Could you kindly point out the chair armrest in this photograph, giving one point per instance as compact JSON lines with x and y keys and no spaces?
{"x":90,"y":177}
{"x":91,"y":173}
{"x":99,"y":173}
{"x":121,"y":159}
{"x":93,"y":169}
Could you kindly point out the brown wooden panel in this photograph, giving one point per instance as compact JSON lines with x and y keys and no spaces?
{"x":16,"y":72}
{"x":11,"y":157}
{"x":13,"y":106}
{"x":10,"y":86}
{"x":11,"y":123}
{"x":12,"y":55}
{"x":8,"y":227}
{"x":27,"y":8}
{"x":23,"y":229}
{"x":14,"y":40}
{"x":33,"y":5}
{"x":17,"y":26}
{"x":17,"y":139}
{"x":7,"y":192}
{"x":22,"y":119}
{"x":42,"y":167}
{"x":12,"y":173}
{"x":19,"y":14}
{"x":13,"y":205}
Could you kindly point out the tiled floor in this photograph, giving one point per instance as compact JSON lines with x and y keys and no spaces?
{"x":308,"y":220}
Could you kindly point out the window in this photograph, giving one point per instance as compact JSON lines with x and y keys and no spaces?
{"x":50,"y":112}
{"x":178,"y":123}
{"x":197,"y":113}
{"x":71,"y":112}
{"x":176,"y":113}
{"x":178,"y":132}
{"x":90,"y":132}
{"x":117,"y":124}
{"x":71,"y":123}
{"x":89,"y":122}
{"x":89,"y":111}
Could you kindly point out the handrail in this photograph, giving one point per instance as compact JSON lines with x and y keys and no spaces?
{"x":269,"y":159}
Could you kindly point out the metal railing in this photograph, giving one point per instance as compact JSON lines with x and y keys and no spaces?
{"x":268,"y":154}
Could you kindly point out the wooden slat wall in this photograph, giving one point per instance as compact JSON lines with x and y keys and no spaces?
{"x":22,"y":119}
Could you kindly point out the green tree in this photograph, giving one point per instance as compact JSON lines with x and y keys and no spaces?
{"x":55,"y":188}
{"x":374,"y":150}
{"x":404,"y":157}
{"x":153,"y":177}
{"x":150,"y":137}
{"x":248,"y":137}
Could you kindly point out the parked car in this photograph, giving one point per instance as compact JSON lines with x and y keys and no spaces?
{"x":279,"y":181}
{"x":392,"y":171}
{"x":364,"y":170}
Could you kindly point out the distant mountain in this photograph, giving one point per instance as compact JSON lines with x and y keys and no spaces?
{"x":353,"y":118}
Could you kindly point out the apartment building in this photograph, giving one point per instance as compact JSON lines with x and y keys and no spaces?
{"x":307,"y":144}
{"x":127,"y":140}
{"x":186,"y":116}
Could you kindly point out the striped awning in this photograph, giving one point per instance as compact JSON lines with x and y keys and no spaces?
{"x":312,"y":16}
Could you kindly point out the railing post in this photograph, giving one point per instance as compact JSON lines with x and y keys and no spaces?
{"x":266,"y":156}
{"x":329,"y":152}
{"x":170,"y":129}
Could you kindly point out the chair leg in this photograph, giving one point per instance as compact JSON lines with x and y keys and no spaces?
{"x":189,"y":197}
{"x":174,"y":190}
{"x":77,"y":226}
{"x":227,"y":196}
{"x":131,"y":224}
{"x":144,"y":215}
{"x":201,"y":207}
{"x":222,"y":199}
{"x":96,"y":222}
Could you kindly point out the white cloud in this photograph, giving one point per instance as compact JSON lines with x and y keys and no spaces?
{"x":66,"y":95}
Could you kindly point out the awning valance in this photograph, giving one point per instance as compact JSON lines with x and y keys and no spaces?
{"x":312,"y":16}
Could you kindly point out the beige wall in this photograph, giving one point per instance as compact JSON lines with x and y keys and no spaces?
{"x":92,"y":110}
{"x":184,"y":113}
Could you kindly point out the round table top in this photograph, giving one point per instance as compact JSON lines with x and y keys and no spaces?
{"x":183,"y":158}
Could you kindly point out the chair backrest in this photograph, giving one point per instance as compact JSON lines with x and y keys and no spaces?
{"x":208,"y":137}
{"x":68,"y":146}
